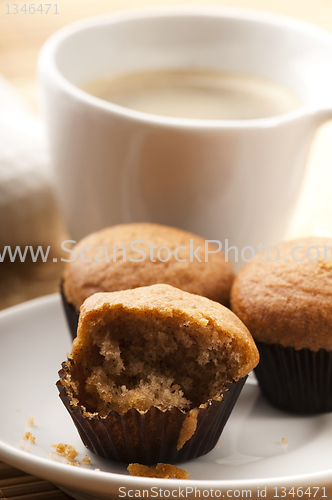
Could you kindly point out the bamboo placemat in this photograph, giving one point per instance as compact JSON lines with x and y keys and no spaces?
{"x":17,"y":485}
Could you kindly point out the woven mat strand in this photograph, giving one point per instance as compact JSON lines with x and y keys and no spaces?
{"x":17,"y":485}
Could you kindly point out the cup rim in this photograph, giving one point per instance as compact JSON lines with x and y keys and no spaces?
{"x":46,"y":62}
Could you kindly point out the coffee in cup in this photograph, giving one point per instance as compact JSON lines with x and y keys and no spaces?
{"x":196,"y":94}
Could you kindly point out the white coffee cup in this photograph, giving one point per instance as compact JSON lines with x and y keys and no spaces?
{"x":235,"y":180}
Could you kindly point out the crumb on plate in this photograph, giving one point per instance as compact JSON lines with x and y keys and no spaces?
{"x":165,"y":471}
{"x":66,"y":450}
{"x":29,"y":437}
{"x":31,"y":421}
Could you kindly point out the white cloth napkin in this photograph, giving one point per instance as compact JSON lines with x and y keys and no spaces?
{"x":28,"y":211}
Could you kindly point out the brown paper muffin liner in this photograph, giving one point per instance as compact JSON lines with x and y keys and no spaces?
{"x":295,"y":380}
{"x":154,"y":436}
{"x":70,"y":313}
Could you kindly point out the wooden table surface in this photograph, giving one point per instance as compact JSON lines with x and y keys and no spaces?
{"x":21,"y":37}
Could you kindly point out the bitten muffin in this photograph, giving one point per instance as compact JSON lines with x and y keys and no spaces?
{"x":284,"y":298}
{"x":154,"y":373}
{"x":144,"y":254}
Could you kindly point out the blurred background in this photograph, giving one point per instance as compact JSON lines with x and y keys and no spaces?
{"x":22,"y":35}
{"x":28,"y":210}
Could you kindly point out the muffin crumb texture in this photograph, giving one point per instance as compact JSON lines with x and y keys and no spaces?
{"x":28,"y":436}
{"x":155,"y":346}
{"x":165,"y":471}
{"x":70,"y":453}
{"x":66,"y":450}
{"x":188,"y":428}
{"x":31,"y":421}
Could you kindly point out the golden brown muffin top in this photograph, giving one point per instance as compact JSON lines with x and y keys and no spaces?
{"x":212,"y":279}
{"x":157,"y":345}
{"x":285,"y":301}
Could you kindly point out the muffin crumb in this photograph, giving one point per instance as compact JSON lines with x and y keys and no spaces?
{"x":188,"y":428}
{"x":74,"y":402}
{"x":66,"y":450}
{"x":75,"y":464}
{"x":29,"y":437}
{"x":86,"y":460}
{"x":164,"y":471}
{"x":31,"y":421}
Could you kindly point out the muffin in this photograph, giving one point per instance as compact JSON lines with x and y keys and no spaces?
{"x":284,"y":298}
{"x":144,"y":254}
{"x":154,"y":373}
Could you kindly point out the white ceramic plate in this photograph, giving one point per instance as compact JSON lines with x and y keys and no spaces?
{"x":249,"y":457}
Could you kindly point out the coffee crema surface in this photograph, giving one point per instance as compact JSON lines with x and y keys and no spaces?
{"x":196,"y":94}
